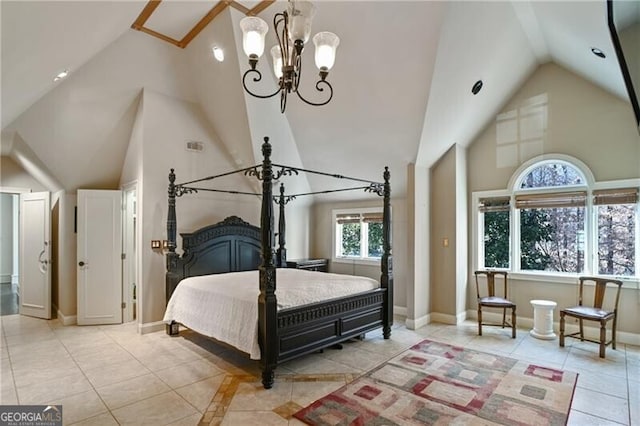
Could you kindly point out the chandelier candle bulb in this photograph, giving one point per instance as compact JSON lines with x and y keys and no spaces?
{"x":301,"y":14}
{"x":326,"y":44}
{"x":253,"y":30}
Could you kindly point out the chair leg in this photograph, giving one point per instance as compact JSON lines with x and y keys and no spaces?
{"x":479,"y":321}
{"x":603,"y":336}
{"x":613,"y":332}
{"x":581,"y":331}
{"x":513,"y":322}
{"x":504,"y":317}
{"x":562,"y":329}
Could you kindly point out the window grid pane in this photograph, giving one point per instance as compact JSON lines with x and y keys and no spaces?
{"x":552,"y":175}
{"x":616,"y":239}
{"x":374,"y":240}
{"x":351,"y":234}
{"x":496,"y":239}
{"x":552,"y":239}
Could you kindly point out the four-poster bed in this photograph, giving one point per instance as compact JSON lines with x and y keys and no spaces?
{"x":288,"y":325}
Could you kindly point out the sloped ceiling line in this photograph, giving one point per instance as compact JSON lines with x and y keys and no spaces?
{"x":152,"y":5}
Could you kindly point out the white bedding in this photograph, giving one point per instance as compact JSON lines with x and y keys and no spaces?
{"x":225,"y":306}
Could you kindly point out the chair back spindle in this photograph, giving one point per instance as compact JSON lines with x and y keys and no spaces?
{"x":491,"y":282}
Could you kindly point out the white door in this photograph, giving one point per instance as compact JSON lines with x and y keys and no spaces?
{"x":129,"y":265}
{"x":99,"y":257}
{"x":35,"y":249}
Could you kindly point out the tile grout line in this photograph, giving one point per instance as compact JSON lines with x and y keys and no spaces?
{"x":171,"y":388}
{"x":626,"y":364}
{"x":87,"y":378}
{"x":13,"y":376}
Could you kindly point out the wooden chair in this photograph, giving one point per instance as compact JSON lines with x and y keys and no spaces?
{"x":490,"y":300}
{"x":594,"y":312}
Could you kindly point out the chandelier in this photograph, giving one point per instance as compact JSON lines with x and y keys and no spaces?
{"x":292,"y":28}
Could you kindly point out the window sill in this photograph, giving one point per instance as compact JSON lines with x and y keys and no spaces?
{"x":628,"y":282}
{"x":357,"y":261}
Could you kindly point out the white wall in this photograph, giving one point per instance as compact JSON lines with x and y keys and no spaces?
{"x":418,"y":256}
{"x":443,"y":238}
{"x":168,"y":123}
{"x":461,"y":237}
{"x":132,"y":167}
{"x":12,"y":175}
{"x":67,"y":256}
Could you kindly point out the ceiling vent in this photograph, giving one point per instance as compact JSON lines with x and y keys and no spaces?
{"x":195,"y":146}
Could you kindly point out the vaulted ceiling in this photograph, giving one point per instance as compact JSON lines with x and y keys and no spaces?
{"x":402,"y":79}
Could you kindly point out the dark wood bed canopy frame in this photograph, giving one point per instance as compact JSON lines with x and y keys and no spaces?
{"x":235,"y":245}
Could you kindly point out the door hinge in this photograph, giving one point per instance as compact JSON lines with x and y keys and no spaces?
{"x":124,"y":305}
{"x":123,"y":256}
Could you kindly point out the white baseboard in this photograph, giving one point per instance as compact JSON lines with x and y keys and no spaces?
{"x":570,"y":327}
{"x":67,"y":319}
{"x":444,"y":318}
{"x":5,"y":278}
{"x":150,"y":327}
{"x":414,"y":324}
{"x":400,"y":311}
{"x":628,"y":338}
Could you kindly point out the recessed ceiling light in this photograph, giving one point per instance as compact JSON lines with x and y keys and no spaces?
{"x":61,"y":75}
{"x":599,"y":53}
{"x":218,"y":53}
{"x":476,"y":87}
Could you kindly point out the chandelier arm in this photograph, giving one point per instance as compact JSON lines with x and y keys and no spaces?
{"x":298,"y":72}
{"x":256,"y":79}
{"x":319,"y":89}
{"x":283,"y":40}
{"x":283,"y":101}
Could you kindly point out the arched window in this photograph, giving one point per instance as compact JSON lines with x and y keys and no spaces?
{"x":556,"y":220}
{"x":551,"y":174}
{"x":552,"y":221}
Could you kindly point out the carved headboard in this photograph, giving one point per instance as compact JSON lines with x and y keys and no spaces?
{"x":232,"y":245}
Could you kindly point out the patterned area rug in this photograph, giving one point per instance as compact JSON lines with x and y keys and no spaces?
{"x":436,"y":383}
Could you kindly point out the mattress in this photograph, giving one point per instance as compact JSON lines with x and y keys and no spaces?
{"x":225,"y":306}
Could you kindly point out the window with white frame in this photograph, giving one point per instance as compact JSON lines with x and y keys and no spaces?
{"x":556,"y":221}
{"x":616,"y":213}
{"x":358,"y":234}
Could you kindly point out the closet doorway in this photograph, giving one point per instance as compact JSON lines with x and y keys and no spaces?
{"x":9,"y":245}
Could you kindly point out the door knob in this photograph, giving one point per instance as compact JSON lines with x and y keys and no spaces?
{"x":81,"y":263}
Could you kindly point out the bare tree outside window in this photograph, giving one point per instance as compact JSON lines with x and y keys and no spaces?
{"x":616,"y":239}
{"x":552,"y":203}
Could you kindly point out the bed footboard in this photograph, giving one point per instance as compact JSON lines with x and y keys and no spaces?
{"x":312,"y":327}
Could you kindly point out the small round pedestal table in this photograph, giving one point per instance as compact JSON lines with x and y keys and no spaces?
{"x":543,"y":319}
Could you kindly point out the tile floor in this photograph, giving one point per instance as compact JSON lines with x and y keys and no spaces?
{"x":110,"y":375}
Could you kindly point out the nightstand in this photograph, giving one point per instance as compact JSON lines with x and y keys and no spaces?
{"x":320,"y":265}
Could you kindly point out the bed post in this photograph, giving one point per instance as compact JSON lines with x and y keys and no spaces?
{"x":386,"y":280}
{"x":267,"y":304}
{"x":281,"y":253}
{"x":171,"y":256}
